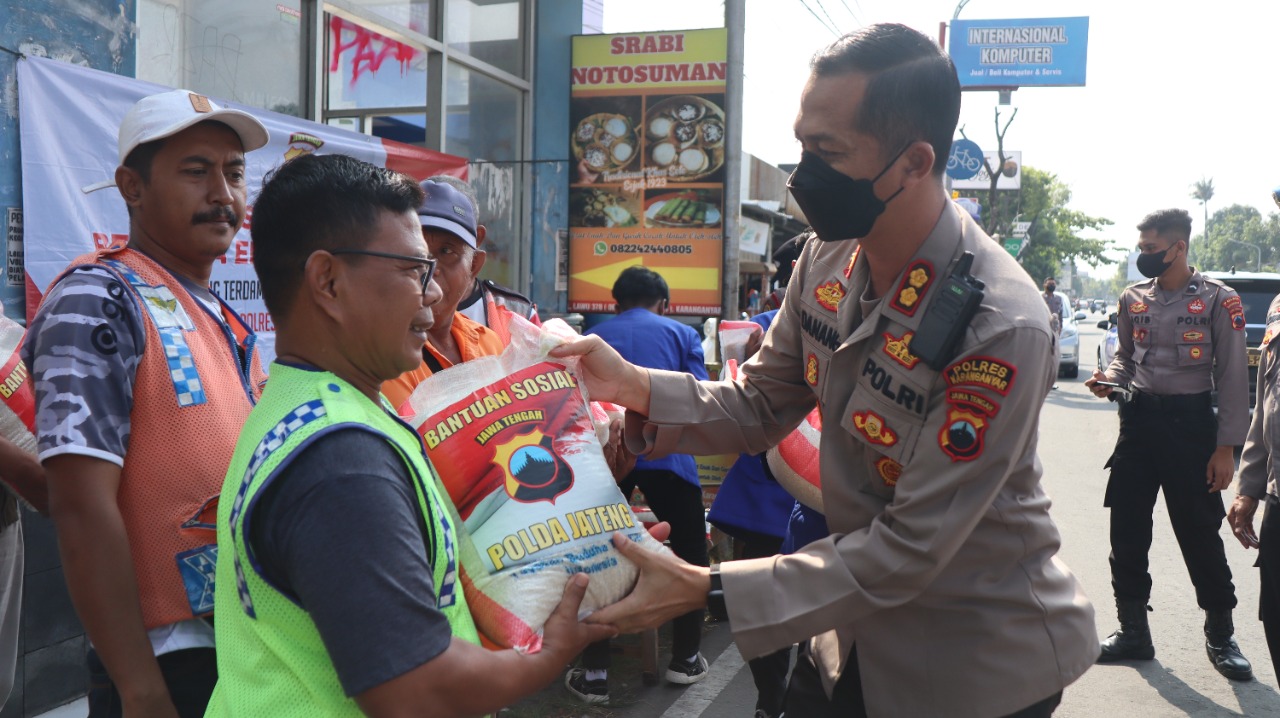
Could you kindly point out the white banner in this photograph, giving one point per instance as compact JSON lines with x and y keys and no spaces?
{"x":754,"y":235}
{"x":1010,"y":178}
{"x":69,"y":118}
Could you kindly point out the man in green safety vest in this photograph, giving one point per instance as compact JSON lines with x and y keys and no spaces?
{"x":338,"y":582}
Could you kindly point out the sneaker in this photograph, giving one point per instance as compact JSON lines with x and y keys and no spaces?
{"x":593,"y":692}
{"x":686,"y":673}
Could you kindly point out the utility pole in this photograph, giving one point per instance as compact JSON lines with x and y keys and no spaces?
{"x":735,"y":21}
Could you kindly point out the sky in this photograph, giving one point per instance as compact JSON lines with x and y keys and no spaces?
{"x":1176,"y":91}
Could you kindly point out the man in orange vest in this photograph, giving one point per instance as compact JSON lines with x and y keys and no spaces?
{"x":448,"y":220}
{"x":143,"y":377}
{"x":488,"y":302}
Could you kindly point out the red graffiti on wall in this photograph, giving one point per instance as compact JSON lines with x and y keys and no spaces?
{"x":368,"y":49}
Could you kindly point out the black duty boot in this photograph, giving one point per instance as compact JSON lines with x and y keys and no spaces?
{"x":1132,"y":642}
{"x":1223,"y":651}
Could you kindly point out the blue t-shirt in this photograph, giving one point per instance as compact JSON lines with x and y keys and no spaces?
{"x":656,"y":342}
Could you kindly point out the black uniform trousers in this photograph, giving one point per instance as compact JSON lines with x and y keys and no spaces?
{"x":805,"y":696}
{"x":679,"y":503}
{"x":1165,"y":444}
{"x":1269,"y":565}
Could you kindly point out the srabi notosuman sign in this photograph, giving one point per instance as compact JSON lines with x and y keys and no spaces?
{"x":647,"y":133}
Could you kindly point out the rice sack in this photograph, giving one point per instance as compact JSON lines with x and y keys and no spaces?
{"x":514,"y":444}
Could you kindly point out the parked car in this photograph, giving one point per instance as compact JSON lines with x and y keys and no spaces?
{"x":1256,"y":290}
{"x":1110,"y":340}
{"x":1069,"y":343}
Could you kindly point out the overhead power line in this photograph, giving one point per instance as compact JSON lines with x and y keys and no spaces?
{"x":824,"y":12}
{"x":821,"y":22}
{"x":852,"y":14}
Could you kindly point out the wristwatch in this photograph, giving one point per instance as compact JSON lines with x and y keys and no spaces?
{"x":715,"y":597}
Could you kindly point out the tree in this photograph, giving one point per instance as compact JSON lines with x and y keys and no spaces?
{"x":1055,"y":228}
{"x":1202,"y":192}
{"x":1239,"y":237}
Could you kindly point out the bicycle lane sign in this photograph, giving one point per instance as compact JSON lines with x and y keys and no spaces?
{"x":965,"y":160}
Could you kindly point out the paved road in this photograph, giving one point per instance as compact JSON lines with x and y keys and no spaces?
{"x":1077,"y":433}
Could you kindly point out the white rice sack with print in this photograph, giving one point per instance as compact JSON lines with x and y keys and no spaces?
{"x":513,"y":442}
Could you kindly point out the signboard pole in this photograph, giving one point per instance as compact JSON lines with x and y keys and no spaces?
{"x":735,"y":22}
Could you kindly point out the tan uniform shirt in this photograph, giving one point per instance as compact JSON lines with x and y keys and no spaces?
{"x":1186,"y":342}
{"x":942,"y":563}
{"x":1258,"y":468}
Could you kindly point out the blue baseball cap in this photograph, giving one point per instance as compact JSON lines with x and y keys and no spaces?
{"x":449,"y":209}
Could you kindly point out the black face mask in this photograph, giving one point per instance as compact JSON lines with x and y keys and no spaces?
{"x":836,"y":205}
{"x":1153,"y":265}
{"x":1050,"y":288}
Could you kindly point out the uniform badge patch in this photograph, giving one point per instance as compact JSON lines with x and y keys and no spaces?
{"x":915,"y":282}
{"x":1138,"y":308}
{"x":829,"y":295}
{"x":853,"y":259}
{"x":1196,"y":306}
{"x":898,"y":349}
{"x":1196,"y":352}
{"x":889,"y":471}
{"x":973,"y":401}
{"x":1267,"y":337}
{"x":1192,"y":336}
{"x":981,"y":371}
{"x":811,"y":370}
{"x":1235,"y":308}
{"x":1139,"y":335}
{"x":961,"y":437}
{"x":873,"y":427}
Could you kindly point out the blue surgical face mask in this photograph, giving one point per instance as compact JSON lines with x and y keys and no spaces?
{"x":836,"y":205}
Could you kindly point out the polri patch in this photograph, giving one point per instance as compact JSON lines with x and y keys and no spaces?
{"x":1138,"y":308}
{"x":911,"y":290}
{"x":811,"y":370}
{"x":873,"y":426}
{"x":898,"y":349}
{"x":829,"y":295}
{"x":1196,"y":306}
{"x":981,"y":371}
{"x":962,"y":436}
{"x":889,"y":471}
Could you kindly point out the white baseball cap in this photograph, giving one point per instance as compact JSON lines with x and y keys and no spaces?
{"x":159,"y":116}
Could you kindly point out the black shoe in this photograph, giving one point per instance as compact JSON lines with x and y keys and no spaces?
{"x":1132,"y":642}
{"x":686,"y":673}
{"x":1224,"y":652}
{"x":594,"y":692}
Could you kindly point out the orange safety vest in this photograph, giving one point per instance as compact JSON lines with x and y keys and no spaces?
{"x":191,"y":395}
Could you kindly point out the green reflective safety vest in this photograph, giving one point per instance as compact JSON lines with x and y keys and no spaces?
{"x":271,"y":661}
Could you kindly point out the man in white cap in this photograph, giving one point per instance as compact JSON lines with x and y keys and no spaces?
{"x":143,"y":378}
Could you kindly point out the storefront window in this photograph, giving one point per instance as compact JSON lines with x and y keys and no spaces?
{"x":499,"y":190}
{"x":484,"y":120}
{"x":413,"y":14}
{"x":488,"y":30}
{"x":243,"y":50}
{"x":368,"y":70}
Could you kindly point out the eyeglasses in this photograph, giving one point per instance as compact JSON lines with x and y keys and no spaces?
{"x":429,"y":265}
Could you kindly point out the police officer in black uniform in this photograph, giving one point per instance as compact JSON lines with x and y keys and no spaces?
{"x":1181,"y":335}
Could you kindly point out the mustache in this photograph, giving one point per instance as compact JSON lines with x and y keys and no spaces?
{"x":220,"y":214}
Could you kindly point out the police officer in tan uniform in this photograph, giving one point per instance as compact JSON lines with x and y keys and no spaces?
{"x":1181,"y":335}
{"x":939,"y":591}
{"x":1258,"y":483}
